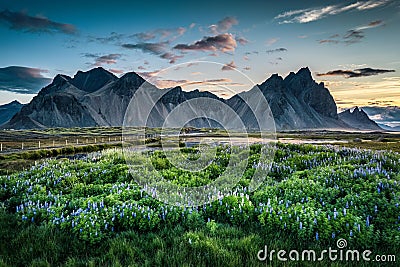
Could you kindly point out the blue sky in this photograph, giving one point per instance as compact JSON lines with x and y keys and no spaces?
{"x":350,"y":45}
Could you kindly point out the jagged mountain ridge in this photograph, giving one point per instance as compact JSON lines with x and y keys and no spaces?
{"x":358,"y":119}
{"x":297,"y":102}
{"x":98,"y":98}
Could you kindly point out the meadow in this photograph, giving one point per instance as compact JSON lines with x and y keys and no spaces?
{"x":91,"y":212}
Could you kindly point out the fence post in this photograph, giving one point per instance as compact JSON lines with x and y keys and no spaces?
{"x":1,"y":147}
{"x":66,"y":142}
{"x":39,"y":145}
{"x":77,"y":142}
{"x":54,"y":143}
{"x":22,"y":146}
{"x":95,"y":140}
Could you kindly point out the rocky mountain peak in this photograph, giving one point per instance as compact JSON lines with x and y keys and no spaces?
{"x":128,"y":84}
{"x":14,"y":103}
{"x":358,"y":119}
{"x":93,"y":79}
{"x":274,"y":82}
{"x":305,"y":73}
{"x":132,"y":78}
{"x":60,"y":79}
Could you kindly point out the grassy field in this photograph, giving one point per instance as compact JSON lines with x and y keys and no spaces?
{"x":91,"y":212}
{"x":82,"y":140}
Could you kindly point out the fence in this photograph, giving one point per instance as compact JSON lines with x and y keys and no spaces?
{"x":17,"y":145}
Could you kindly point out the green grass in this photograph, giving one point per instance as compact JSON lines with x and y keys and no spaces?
{"x":84,"y":213}
{"x":217,"y":245}
{"x":18,"y":161}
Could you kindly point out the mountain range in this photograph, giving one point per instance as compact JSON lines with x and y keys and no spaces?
{"x":387,"y":118}
{"x":359,"y":119}
{"x":99,"y":98}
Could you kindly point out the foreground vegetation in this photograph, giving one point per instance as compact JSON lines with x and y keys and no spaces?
{"x":92,"y":212}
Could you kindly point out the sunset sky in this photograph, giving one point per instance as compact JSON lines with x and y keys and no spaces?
{"x":353,"y":46}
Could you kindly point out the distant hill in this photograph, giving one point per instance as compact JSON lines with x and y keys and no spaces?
{"x":9,"y":110}
{"x":98,"y":98}
{"x":359,"y":119}
{"x":388,"y":117}
{"x":389,"y":128}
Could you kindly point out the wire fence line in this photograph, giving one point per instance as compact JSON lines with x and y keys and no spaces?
{"x":12,"y":146}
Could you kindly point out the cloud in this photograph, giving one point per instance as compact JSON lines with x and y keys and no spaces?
{"x":103,"y":60}
{"x":22,"y":80}
{"x":114,"y":37}
{"x":167,"y":83}
{"x":371,"y":4}
{"x":222,"y":42}
{"x":241,"y":40}
{"x":171,"y":57}
{"x":149,"y":74}
{"x":249,"y":53}
{"x":364,"y":72}
{"x":328,"y":41}
{"x":152,"y":48}
{"x":223,"y":25}
{"x":21,"y":21}
{"x":305,"y":15}
{"x":277,"y":50}
{"x":271,"y":41}
{"x":352,"y":36}
{"x":229,"y":66}
{"x":372,"y":24}
{"x":162,"y":34}
{"x":145,"y":36}
{"x":159,"y":49}
{"x":196,"y":73}
{"x":116,"y":71}
{"x":317,"y":13}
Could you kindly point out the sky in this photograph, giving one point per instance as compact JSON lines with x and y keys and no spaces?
{"x":351,"y":46}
